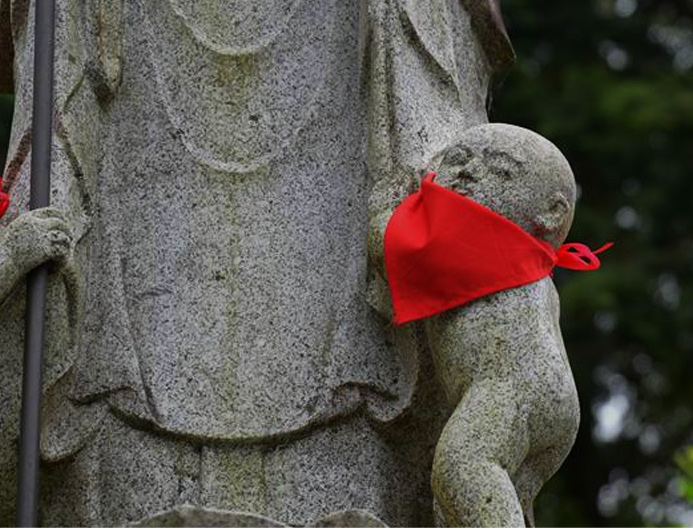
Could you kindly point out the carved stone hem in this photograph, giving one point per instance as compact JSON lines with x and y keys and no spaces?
{"x":191,"y":516}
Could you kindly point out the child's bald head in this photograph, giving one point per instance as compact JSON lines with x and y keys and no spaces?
{"x":514,"y":172}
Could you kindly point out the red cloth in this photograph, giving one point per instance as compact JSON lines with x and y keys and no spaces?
{"x":443,"y":250}
{"x":4,"y":201}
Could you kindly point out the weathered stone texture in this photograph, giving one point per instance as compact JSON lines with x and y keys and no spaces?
{"x":214,"y":160}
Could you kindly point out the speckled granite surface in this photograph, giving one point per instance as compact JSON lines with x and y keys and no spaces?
{"x":213,"y":161}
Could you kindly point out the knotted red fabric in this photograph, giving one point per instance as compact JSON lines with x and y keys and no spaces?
{"x":443,"y":250}
{"x":4,"y":201}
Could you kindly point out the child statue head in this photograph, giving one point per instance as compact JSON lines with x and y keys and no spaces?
{"x":515,"y":172}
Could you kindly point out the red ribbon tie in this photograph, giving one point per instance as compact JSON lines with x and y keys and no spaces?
{"x":577,"y":256}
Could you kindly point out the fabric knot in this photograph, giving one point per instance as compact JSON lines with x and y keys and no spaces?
{"x":577,"y":256}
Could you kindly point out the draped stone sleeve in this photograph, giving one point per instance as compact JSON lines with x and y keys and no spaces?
{"x":75,"y":161}
{"x":430,"y":64}
{"x":75,"y":165}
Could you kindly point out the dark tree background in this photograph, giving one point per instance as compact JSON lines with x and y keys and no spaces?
{"x":611,"y":83}
{"x":6,"y":107}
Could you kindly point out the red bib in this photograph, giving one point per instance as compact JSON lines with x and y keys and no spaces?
{"x":4,"y":201}
{"x":443,"y":250}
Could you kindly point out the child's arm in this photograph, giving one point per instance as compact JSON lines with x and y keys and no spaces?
{"x":386,"y":195}
{"x":29,"y":241}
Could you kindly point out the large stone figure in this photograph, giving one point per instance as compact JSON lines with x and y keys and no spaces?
{"x":209,"y":337}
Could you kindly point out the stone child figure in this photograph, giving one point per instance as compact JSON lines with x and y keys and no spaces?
{"x":500,"y":358}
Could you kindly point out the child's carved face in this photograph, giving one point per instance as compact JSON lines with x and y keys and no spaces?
{"x":514,"y":172}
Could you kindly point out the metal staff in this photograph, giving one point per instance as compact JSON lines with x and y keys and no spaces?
{"x":42,"y":126}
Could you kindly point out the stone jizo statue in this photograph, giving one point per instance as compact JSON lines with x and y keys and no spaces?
{"x":500,"y":359}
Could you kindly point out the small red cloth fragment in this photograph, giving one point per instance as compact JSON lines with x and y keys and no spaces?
{"x":443,"y":250}
{"x":4,"y":201}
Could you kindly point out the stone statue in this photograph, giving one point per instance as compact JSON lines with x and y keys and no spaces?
{"x":500,"y":359}
{"x":210,"y":340}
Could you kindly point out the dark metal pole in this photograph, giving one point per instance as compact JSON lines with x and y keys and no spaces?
{"x":42,"y":126}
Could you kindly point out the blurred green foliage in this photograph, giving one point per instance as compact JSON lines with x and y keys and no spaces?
{"x":611,"y":83}
{"x":6,"y":109}
{"x":684,"y":460}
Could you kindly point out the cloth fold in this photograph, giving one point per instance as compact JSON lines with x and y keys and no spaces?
{"x":443,"y":250}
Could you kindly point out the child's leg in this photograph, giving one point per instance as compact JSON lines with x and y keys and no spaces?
{"x":482,"y":445}
{"x":534,"y":472}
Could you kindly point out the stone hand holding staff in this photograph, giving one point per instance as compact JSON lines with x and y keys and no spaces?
{"x":33,"y":238}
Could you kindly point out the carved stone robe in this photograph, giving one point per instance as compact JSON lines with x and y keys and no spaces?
{"x":216,"y":158}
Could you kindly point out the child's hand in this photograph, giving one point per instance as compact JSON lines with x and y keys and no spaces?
{"x":37,"y":237}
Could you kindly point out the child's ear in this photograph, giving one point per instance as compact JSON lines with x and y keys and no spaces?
{"x":551,"y":223}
